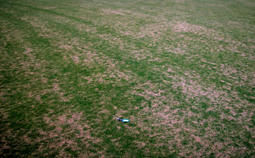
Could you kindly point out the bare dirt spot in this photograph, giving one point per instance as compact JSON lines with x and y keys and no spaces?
{"x":3,"y":113}
{"x":113,"y":11}
{"x":28,"y":50}
{"x":56,"y":87}
{"x":66,"y":47}
{"x":49,"y":7}
{"x":76,"y":59}
{"x":65,"y":126}
{"x":186,"y":27}
{"x":38,"y":98}
{"x":140,"y":144}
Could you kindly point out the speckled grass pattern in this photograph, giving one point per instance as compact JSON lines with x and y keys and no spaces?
{"x":182,"y":71}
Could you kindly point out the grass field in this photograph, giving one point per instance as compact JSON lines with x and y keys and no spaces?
{"x":182,"y":71}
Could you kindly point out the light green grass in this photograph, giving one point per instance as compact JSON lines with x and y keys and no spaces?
{"x":182,"y":71}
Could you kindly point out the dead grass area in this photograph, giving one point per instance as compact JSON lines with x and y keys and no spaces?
{"x":168,"y":118}
{"x":61,"y":137}
{"x":107,"y":11}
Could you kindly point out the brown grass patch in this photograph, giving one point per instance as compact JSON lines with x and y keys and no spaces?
{"x":65,"y":126}
{"x":66,"y":47}
{"x":140,"y":144}
{"x":186,"y":27}
{"x":113,"y":11}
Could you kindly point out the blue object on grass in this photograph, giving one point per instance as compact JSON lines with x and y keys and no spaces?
{"x":123,"y":120}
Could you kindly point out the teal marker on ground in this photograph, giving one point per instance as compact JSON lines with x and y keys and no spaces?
{"x":123,"y":120}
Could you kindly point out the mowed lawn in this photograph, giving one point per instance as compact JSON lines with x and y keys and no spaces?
{"x":182,"y":71}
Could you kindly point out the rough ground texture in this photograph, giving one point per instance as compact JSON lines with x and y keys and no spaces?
{"x":182,"y":71}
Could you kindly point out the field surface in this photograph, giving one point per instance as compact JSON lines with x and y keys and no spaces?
{"x":182,"y":71}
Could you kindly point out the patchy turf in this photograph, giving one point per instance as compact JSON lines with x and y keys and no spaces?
{"x":182,"y":71}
